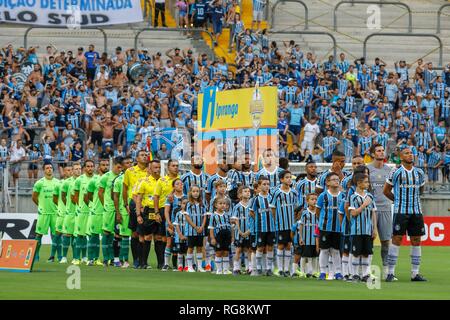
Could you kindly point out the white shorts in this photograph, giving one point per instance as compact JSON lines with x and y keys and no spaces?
{"x":258,"y":15}
{"x":307,"y":145}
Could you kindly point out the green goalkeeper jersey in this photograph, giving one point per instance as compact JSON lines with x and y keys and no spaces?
{"x":81,"y":185}
{"x":71,"y":208}
{"x":106,"y":182}
{"x":46,"y":188}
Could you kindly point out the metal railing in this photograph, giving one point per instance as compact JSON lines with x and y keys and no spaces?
{"x":278,"y":2}
{"x":105,"y":37}
{"x":389,"y":34}
{"x":394,"y":3}
{"x":136,"y":38}
{"x":439,"y":13}
{"x":311,"y":33}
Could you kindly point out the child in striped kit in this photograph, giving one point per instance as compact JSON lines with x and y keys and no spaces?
{"x":363,"y":230}
{"x":170,"y":208}
{"x":308,"y":240}
{"x":242,"y":232}
{"x":196,"y":219}
{"x":180,"y":238}
{"x":220,"y":233}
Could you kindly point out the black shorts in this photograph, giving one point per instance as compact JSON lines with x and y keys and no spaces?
{"x":328,"y":239}
{"x":284,"y":237}
{"x":308,"y":251}
{"x":223,"y":240}
{"x":411,"y":223}
{"x":243,"y":243}
{"x":148,"y":226}
{"x":199,"y":23}
{"x":265,"y":239}
{"x":32,"y":166}
{"x":195,"y":241}
{"x":298,"y":250}
{"x":180,"y":247}
{"x":346,"y":244}
{"x":90,"y":73}
{"x":362,"y":245}
{"x":96,"y":138}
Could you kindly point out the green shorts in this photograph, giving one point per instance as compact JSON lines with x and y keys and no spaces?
{"x":69,"y":224}
{"x":95,"y":224}
{"x":60,"y":224}
{"x":109,"y":221}
{"x":44,"y":222}
{"x":81,"y":222}
{"x":124,"y":230}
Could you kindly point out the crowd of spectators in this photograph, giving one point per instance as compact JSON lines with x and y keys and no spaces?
{"x":71,"y":105}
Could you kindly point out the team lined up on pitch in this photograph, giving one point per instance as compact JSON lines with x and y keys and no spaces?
{"x":263,"y":221}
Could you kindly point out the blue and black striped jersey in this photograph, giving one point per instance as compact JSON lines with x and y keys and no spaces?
{"x":433,"y":158}
{"x":329,"y":145}
{"x":406,"y":186}
{"x":181,"y":222}
{"x":219,"y":222}
{"x":308,"y":223}
{"x":210,"y":188}
{"x":303,"y":188}
{"x":264,"y":220}
{"x":174,"y":205}
{"x":329,"y":207}
{"x":197,"y":214}
{"x":345,"y":226}
{"x":284,"y":204}
{"x":346,"y":182}
{"x":246,"y":178}
{"x":422,"y":139}
{"x":241,"y":214}
{"x":321,"y":181}
{"x":361,"y":224}
{"x":189,"y":179}
{"x":273,"y":177}
{"x":364,"y":144}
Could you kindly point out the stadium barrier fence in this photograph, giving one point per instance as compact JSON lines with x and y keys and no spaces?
{"x":439,"y":13}
{"x":394,"y":3}
{"x":271,"y":18}
{"x":399,"y":34}
{"x":105,"y":37}
{"x":199,"y":30}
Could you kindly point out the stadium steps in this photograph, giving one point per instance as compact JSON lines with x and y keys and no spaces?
{"x":352,"y":30}
{"x":222,"y":50}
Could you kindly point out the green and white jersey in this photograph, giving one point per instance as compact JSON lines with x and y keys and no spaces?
{"x":95,"y":205}
{"x":81,"y":185}
{"x":46,"y":188}
{"x":71,"y":208}
{"x":106,"y":182}
{"x":118,"y":188}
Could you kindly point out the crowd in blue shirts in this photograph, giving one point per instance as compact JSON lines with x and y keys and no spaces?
{"x":323,"y":105}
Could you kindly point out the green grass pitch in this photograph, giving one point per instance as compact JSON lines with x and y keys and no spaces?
{"x":48,"y":281}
